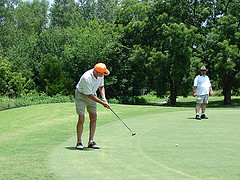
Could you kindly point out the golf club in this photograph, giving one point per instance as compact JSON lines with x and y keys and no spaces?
{"x":122,"y":122}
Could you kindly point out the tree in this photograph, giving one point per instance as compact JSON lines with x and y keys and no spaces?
{"x":171,"y":61}
{"x":87,"y":46}
{"x":8,"y":35}
{"x":65,"y":13}
{"x":133,"y":57}
{"x":30,"y":20}
{"x":228,"y":68}
{"x":11,"y":83}
{"x":31,"y":17}
{"x":100,"y":9}
{"x":164,"y":42}
{"x":219,"y":49}
{"x":54,"y":79}
{"x":227,"y":61}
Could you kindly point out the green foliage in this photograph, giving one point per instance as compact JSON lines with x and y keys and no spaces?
{"x":55,"y":80}
{"x":31,"y":18}
{"x":131,"y":11}
{"x":170,"y":59}
{"x":11,"y":83}
{"x":87,"y":46}
{"x":225,"y":55}
{"x":64,"y":13}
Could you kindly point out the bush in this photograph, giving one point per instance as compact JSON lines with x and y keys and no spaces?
{"x":218,"y":93}
{"x":26,"y":100}
{"x":135,"y":100}
{"x":113,"y":101}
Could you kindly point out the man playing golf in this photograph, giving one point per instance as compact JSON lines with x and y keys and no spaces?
{"x":85,"y":96}
{"x":201,"y":89}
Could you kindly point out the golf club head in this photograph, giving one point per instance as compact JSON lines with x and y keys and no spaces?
{"x":133,"y":134}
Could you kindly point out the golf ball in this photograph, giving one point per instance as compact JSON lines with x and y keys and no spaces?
{"x":176,"y":145}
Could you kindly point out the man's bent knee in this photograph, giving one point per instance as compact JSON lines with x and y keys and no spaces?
{"x":93,"y":116}
{"x":81,"y":119}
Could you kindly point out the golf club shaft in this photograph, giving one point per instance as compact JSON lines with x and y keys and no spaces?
{"x":121,"y":120}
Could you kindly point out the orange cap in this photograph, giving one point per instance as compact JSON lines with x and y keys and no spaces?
{"x":101,"y":67}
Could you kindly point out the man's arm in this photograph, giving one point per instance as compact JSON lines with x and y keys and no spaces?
{"x":210,"y":88}
{"x":194,"y":91}
{"x":102,"y":93}
{"x":96,"y":99}
{"x":195,"y":86}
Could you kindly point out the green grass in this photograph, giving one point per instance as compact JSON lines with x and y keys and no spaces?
{"x":37,"y":142}
{"x":28,"y":134}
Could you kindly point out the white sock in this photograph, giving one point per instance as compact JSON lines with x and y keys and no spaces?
{"x":197,"y":114}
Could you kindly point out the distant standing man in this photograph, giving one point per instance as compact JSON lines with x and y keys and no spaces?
{"x":86,"y":97}
{"x":201,"y":88}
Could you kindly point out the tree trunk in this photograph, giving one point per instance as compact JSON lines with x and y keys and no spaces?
{"x":227,"y":90}
{"x":173,"y":94}
{"x":173,"y":91}
{"x":173,"y":97}
{"x":227,"y":95}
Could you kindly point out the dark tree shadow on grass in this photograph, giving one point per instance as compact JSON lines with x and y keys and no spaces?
{"x":211,"y":104}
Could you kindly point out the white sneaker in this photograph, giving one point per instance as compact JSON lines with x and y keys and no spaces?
{"x":79,"y":146}
{"x":93,"y":145}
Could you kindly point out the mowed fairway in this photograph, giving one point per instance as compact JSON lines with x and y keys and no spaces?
{"x":38,"y":141}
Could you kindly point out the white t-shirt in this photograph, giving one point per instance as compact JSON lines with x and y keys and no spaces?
{"x":203,"y":84}
{"x":88,"y":84}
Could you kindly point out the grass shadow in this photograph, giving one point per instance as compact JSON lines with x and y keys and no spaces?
{"x":213,"y":103}
{"x":152,"y":100}
{"x":192,"y":118}
{"x":74,"y":149}
{"x":71,"y":148}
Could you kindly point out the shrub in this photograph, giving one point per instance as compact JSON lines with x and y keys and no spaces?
{"x":32,"y":99}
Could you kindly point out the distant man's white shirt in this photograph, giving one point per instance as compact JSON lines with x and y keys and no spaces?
{"x":203,"y":84}
{"x":88,"y":84}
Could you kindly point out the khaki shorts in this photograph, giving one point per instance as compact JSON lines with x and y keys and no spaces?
{"x":83,"y":101}
{"x":202,"y":99}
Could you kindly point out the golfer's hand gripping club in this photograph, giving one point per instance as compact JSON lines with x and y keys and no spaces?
{"x":122,"y":121}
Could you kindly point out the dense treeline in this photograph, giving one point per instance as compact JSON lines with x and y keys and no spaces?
{"x":149,"y":45}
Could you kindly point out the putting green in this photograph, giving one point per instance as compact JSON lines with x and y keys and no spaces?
{"x":207,"y":149}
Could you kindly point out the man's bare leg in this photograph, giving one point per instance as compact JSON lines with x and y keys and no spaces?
{"x":93,"y":121}
{"x":204,"y":108}
{"x":198,"y":108}
{"x":81,"y":119}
